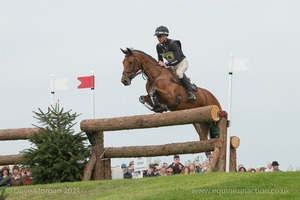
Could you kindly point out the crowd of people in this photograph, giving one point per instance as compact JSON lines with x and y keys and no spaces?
{"x":14,"y":176}
{"x":165,"y":169}
{"x":176,"y":167}
{"x":271,"y":167}
{"x":18,"y":177}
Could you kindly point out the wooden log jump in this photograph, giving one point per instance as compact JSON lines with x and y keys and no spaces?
{"x":18,"y":133}
{"x":10,"y":159}
{"x":189,"y":116}
{"x":97,"y":167}
{"x":160,"y":150}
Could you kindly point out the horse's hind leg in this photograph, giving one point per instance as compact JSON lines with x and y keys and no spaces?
{"x":202,"y":130}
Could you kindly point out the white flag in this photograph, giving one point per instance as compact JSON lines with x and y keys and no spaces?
{"x":239,"y":64}
{"x":59,"y":84}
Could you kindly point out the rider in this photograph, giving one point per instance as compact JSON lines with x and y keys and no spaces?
{"x":172,"y":52}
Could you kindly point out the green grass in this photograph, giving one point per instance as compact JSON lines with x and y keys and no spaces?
{"x":232,"y":186}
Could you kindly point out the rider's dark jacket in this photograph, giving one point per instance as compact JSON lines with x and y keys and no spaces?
{"x":171,"y":51}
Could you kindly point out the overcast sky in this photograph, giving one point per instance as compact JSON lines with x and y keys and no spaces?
{"x":71,"y":38}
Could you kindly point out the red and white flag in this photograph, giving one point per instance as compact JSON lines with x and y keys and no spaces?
{"x":86,"y":82}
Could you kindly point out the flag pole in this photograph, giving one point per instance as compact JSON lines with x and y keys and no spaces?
{"x":52,"y":89}
{"x":93,"y":95}
{"x":229,"y":113}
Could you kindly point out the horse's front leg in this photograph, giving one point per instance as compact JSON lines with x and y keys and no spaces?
{"x":146,"y":101}
{"x":152,"y":103}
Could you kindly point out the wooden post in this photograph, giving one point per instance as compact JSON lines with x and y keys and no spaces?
{"x":107,"y":168}
{"x":221,"y":144}
{"x":89,"y":167}
{"x":98,"y":148}
{"x":214,"y":159}
{"x":234,"y":144}
{"x":232,"y":167}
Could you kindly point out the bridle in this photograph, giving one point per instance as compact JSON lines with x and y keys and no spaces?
{"x":141,"y":71}
{"x":132,"y":74}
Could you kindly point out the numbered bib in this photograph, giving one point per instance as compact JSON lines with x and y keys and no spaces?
{"x":169,"y":56}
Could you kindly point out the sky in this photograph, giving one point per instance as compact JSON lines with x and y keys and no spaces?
{"x":71,"y":38}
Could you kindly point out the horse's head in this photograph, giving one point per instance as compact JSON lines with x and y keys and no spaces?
{"x":132,"y":66}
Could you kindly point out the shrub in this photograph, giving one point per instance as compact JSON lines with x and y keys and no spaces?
{"x":59,"y":154}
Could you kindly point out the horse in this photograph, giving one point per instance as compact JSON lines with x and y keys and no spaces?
{"x":164,"y":89}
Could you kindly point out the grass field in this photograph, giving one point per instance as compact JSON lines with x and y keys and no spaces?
{"x":244,"y":186}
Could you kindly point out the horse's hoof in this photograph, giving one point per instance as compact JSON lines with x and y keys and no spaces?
{"x":142,"y":99}
{"x":164,"y":107}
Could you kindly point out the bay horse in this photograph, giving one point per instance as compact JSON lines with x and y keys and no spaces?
{"x":165,"y":91}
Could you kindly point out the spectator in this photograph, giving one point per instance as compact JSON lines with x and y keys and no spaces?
{"x":185,"y":170}
{"x":26,"y":175}
{"x":239,"y":166}
{"x":163,"y":171}
{"x":176,"y":165}
{"x":165,"y":165}
{"x":198,"y":168}
{"x":150,"y":172}
{"x":242,"y":169}
{"x":5,"y":177}
{"x":126,"y":173}
{"x":192,"y":168}
{"x":157,"y":170}
{"x":262,"y":169}
{"x":252,"y":170}
{"x":204,"y":166}
{"x":131,"y":166}
{"x":169,"y":171}
{"x":275,"y":166}
{"x":16,"y":177}
{"x":269,"y":167}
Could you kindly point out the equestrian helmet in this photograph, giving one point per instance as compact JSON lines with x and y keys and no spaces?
{"x":161,"y":30}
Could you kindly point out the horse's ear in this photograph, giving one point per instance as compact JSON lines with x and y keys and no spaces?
{"x":127,"y":52}
{"x":124,"y":51}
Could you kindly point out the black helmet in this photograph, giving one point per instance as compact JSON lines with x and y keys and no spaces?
{"x":162,"y":30}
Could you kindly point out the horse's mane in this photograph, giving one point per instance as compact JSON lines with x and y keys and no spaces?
{"x":145,"y":54}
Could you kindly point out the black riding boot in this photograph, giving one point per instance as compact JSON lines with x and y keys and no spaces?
{"x":186,"y":83}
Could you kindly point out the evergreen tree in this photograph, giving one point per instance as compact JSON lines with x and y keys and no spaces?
{"x":59,"y":154}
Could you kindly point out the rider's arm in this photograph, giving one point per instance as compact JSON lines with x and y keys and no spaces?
{"x":159,"y":51}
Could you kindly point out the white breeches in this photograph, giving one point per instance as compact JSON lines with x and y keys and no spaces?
{"x":181,"y":67}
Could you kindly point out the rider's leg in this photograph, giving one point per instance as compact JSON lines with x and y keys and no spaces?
{"x":180,"y":69}
{"x":186,"y":83}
